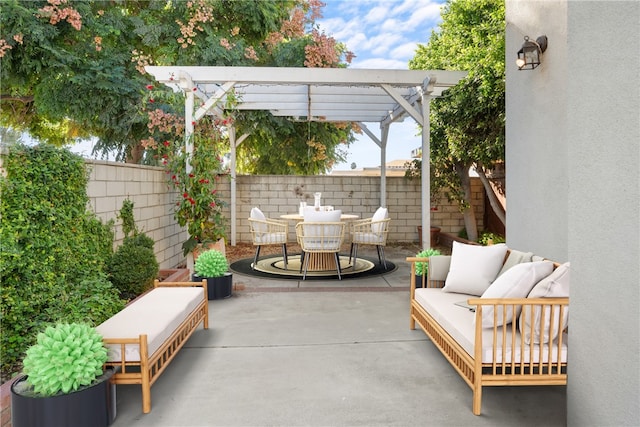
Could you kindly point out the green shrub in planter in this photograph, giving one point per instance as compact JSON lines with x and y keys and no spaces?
{"x":211,"y":263}
{"x":65,"y":357}
{"x":423,"y":267}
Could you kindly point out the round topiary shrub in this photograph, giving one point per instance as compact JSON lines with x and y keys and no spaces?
{"x":211,"y":263}
{"x":140,"y":240}
{"x":132,"y":269}
{"x":65,"y":357}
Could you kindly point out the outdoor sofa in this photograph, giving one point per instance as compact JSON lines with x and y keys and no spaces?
{"x":499,"y":316}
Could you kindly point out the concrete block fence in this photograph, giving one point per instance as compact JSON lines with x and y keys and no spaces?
{"x":277,"y":195}
{"x":111,"y":183}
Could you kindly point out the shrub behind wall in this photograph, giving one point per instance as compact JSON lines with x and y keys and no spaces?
{"x":52,"y":250}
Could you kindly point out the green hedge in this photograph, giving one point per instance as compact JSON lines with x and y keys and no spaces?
{"x":53,"y":252}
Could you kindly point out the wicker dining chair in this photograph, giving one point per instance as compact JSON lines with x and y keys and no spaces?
{"x":266,"y":231}
{"x":318,"y":238}
{"x":370,"y":231}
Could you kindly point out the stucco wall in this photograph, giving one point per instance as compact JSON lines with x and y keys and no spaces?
{"x":536,"y":151}
{"x":576,"y":119}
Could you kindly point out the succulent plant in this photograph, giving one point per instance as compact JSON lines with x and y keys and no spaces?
{"x":211,"y":263}
{"x":65,"y":357}
{"x":423,"y":267}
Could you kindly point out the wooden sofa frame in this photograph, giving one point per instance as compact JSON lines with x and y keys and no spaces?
{"x":147,"y":370}
{"x":503,"y":373}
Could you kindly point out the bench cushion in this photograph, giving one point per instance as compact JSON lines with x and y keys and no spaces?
{"x":156,"y":314}
{"x":459,"y":323}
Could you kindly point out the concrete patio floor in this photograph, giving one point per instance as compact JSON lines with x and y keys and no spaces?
{"x":338,"y":353}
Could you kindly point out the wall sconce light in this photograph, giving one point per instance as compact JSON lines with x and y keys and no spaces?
{"x":529,"y":53}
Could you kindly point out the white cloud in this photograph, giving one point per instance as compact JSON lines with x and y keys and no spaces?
{"x":424,"y":16}
{"x":404,"y":51}
{"x":381,"y":63}
{"x":376,"y":14}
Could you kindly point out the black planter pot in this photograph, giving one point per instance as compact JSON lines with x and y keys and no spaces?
{"x":91,"y":406}
{"x":217,"y":287}
{"x":419,"y":279}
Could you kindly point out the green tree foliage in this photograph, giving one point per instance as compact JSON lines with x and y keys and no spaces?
{"x":75,"y":69}
{"x":279,"y":146}
{"x":52,"y":251}
{"x":467,"y":123}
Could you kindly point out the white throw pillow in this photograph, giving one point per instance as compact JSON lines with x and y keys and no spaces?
{"x":516,"y":282}
{"x":556,"y":285}
{"x":379,"y":215}
{"x":256,"y":213}
{"x":473,"y":267}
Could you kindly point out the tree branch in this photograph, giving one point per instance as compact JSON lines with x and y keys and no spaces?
{"x":493,"y":200}
{"x":24,"y":99}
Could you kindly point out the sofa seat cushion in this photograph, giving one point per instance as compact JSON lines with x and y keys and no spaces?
{"x":157,"y":314}
{"x":459,"y":324}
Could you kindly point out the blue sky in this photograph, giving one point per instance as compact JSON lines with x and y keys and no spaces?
{"x":382,"y":34}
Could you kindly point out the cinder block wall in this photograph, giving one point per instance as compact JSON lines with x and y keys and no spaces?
{"x":111,"y":183}
{"x":277,"y":195}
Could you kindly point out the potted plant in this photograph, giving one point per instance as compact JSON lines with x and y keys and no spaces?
{"x":212,"y":265}
{"x":64,"y":382}
{"x":423,"y":267}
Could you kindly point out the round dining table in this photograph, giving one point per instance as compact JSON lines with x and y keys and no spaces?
{"x":298,"y":217}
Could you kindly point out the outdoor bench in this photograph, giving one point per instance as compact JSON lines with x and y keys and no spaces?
{"x":513,"y":333}
{"x":146,"y":335}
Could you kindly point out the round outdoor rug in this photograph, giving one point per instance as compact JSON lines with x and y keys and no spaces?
{"x":272,"y":267}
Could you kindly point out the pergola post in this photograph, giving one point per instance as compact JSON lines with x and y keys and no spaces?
{"x":426,"y":172}
{"x":383,"y":162}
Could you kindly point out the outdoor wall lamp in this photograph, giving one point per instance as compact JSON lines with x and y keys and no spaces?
{"x":529,"y":53}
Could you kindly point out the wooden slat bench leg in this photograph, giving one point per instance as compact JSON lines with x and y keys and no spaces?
{"x":144,"y":372}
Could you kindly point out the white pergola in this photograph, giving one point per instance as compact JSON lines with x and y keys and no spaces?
{"x":315,"y":94}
